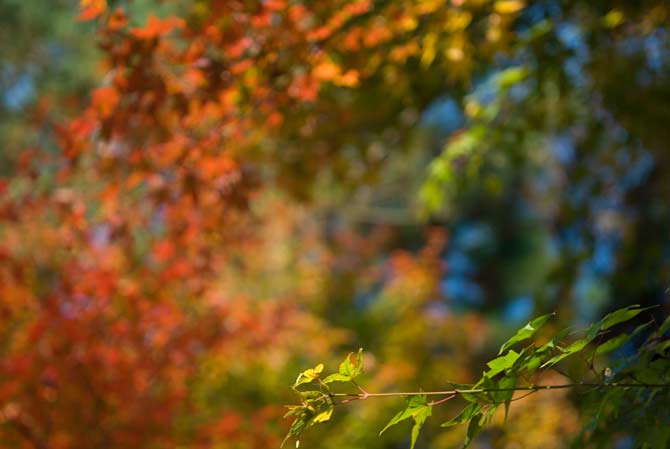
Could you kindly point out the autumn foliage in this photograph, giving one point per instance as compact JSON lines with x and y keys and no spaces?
{"x":145,"y":287}
{"x":110,"y":275}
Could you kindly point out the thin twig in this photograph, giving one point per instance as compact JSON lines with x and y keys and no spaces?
{"x":448,"y":398}
{"x":533,"y":388}
{"x":518,"y":398}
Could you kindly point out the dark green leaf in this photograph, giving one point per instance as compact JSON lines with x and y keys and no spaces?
{"x":664,"y":327}
{"x":612,"y":344}
{"x":618,"y":341}
{"x":621,"y":316}
{"x":474,"y":428}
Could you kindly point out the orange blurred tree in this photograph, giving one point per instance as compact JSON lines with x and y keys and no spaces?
{"x":114,"y":247}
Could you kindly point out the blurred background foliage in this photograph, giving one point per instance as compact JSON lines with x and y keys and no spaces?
{"x":192,"y":211}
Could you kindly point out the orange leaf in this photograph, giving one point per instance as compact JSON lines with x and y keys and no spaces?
{"x":90,"y":9}
{"x":326,"y":71}
{"x":156,"y":27}
{"x":105,"y":99}
{"x":275,"y":5}
{"x":117,"y":20}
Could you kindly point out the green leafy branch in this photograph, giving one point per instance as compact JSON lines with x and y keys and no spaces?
{"x":498,"y":383}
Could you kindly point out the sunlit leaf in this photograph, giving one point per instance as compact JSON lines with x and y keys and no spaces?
{"x":336,"y":377}
{"x":308,"y":375}
{"x":348,"y":369}
{"x":323,"y":416}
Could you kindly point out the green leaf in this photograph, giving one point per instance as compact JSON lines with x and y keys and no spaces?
{"x":416,"y":405}
{"x":297,"y":427}
{"x":311,"y":395}
{"x":618,"y":341}
{"x":470,"y":397}
{"x":419,"y":418}
{"x":359,"y":360}
{"x":315,"y":408}
{"x":553,"y":343}
{"x":621,"y":315}
{"x":349,"y":369}
{"x":336,"y":377}
{"x":573,"y":348}
{"x":653,"y":372}
{"x":505,"y":397}
{"x":501,"y":363}
{"x":612,"y":319}
{"x":474,"y":428}
{"x":465,"y":415}
{"x":488,"y":414}
{"x":526,"y":332}
{"x":532,"y":364}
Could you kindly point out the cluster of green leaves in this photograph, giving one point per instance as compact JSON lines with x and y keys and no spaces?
{"x":316,"y":404}
{"x":644,"y":375}
{"x":501,"y":381}
{"x":641,"y":412}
